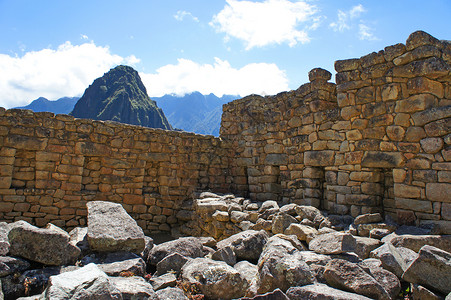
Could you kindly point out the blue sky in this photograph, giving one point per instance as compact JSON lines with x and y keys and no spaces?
{"x":57,"y":48}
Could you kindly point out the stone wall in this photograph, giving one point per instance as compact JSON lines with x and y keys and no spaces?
{"x":50,"y":166}
{"x":376,"y":141}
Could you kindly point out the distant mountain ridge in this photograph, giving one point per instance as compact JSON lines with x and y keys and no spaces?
{"x":195,"y":112}
{"x":119,"y":95}
{"x":61,"y":106}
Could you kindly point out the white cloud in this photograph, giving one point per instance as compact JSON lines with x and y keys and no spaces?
{"x":346,"y":17}
{"x":84,"y":37}
{"x":66,"y":71}
{"x":263,"y":23}
{"x":365,"y":33}
{"x":181,"y":14}
{"x":219,"y":78}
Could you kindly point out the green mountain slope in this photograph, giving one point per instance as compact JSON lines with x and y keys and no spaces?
{"x":120,"y":96}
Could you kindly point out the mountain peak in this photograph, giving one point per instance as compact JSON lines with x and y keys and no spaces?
{"x":119,"y":95}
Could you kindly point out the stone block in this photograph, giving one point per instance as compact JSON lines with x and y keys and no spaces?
{"x":432,"y":145}
{"x":420,"y":85}
{"x":421,"y":118}
{"x":276,"y":159}
{"x":377,"y":159}
{"x":407,"y":191}
{"x":319,"y":158}
{"x":438,"y":192}
{"x":431,"y":67}
{"x":415,"y":103}
{"x":438,"y":128}
{"x":415,"y":205}
{"x":395,"y":133}
{"x":414,"y":134}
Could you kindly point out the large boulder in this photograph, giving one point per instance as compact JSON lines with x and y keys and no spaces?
{"x":332,"y":243}
{"x":415,"y":242}
{"x":321,"y":291}
{"x":134,"y":287}
{"x":281,"y":266}
{"x":386,"y":279}
{"x":111,"y":229}
{"x":186,"y":246}
{"x":394,"y":259}
{"x":247,"y":245}
{"x":432,"y":269}
{"x":117,"y":263}
{"x":87,"y":283}
{"x":173,"y":262}
{"x":215,"y":279}
{"x":348,"y":276}
{"x":49,"y":246}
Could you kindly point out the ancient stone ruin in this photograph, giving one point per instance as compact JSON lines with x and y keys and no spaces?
{"x":307,"y":193}
{"x":377,"y":140}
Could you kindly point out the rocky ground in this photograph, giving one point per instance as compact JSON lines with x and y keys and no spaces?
{"x":261,"y":251}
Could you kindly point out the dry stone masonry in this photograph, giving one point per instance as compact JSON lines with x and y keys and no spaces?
{"x":375,"y":141}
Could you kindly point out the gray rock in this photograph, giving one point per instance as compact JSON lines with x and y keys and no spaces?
{"x":248,"y":270}
{"x":281,"y":266}
{"x":79,"y":238}
{"x":117,"y":263}
{"x":163,"y":281}
{"x":171,"y":293}
{"x":368,"y":218}
{"x":247,"y":245}
{"x":238,"y":216}
{"x":320,"y":291}
{"x":432,"y":269}
{"x":4,"y":243}
{"x":394,"y":259}
{"x":10,"y":265}
{"x":172,"y":262}
{"x":49,"y":246}
{"x":289,"y":209}
{"x":88,"y":282}
{"x":111,"y":229}
{"x":309,"y":212}
{"x":226,"y":255}
{"x":421,"y":293}
{"x":269,"y":204}
{"x":365,"y":229}
{"x":379,"y":233}
{"x":364,"y":245}
{"x":186,"y":246}
{"x":208,"y":241}
{"x":134,"y":288}
{"x":349,"y":276}
{"x":415,"y":242}
{"x":215,"y":279}
{"x":281,"y":222}
{"x":277,"y":294}
{"x":386,"y":279}
{"x":332,"y":243}
{"x":148,"y":246}
{"x":303,"y":232}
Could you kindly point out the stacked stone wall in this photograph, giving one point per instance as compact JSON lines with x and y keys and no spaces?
{"x":50,"y":166}
{"x":377,"y":140}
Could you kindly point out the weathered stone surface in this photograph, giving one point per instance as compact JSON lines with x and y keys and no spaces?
{"x":319,"y":73}
{"x":163,"y":281}
{"x":394,"y":259}
{"x":349,"y":276}
{"x":172,"y":262}
{"x":376,"y":159}
{"x":386,"y":279}
{"x":4,"y":243}
{"x":280,"y":266}
{"x":303,"y":232}
{"x":421,"y":293}
{"x":214,"y":278}
{"x":187,"y":246}
{"x":48,"y":245}
{"x":319,"y":158}
{"x":281,"y":222}
{"x":86,"y":283}
{"x":321,"y":291}
{"x":225,"y":254}
{"x":117,"y":263}
{"x":432,"y":269}
{"x":247,"y":245}
{"x":438,"y":192}
{"x":171,"y":293}
{"x":364,"y":245}
{"x":134,"y":287}
{"x":111,"y":229}
{"x":332,"y":243}
{"x":10,"y":265}
{"x":421,"y":118}
{"x":248,"y":270}
{"x":277,"y":294}
{"x":368,"y":218}
{"x":415,"y":242}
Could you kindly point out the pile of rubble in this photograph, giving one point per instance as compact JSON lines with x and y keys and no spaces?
{"x":271,"y":252}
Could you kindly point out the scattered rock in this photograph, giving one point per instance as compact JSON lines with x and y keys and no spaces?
{"x":364,"y":245}
{"x":163,"y":281}
{"x":394,"y":259}
{"x":226,"y":255}
{"x":281,"y":222}
{"x":172,"y":262}
{"x":303,"y":232}
{"x":10,"y":265}
{"x":432,"y":269}
{"x":277,"y":294}
{"x":386,"y":279}
{"x":368,"y":218}
{"x":332,"y":243}
{"x":321,"y":291}
{"x":415,"y":242}
{"x":111,"y":229}
{"x":49,"y":245}
{"x":4,"y":243}
{"x":215,"y":279}
{"x":246,"y":245}
{"x":171,"y":293}
{"x":134,"y":288}
{"x":117,"y":263}
{"x":186,"y":246}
